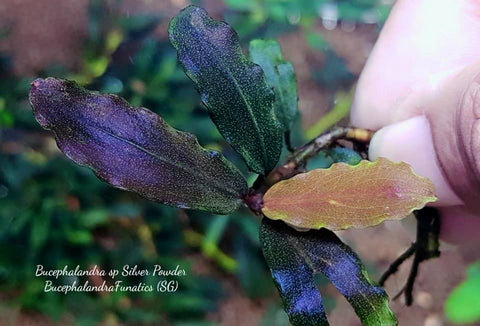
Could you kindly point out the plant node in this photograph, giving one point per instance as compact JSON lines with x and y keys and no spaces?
{"x":254,"y":201}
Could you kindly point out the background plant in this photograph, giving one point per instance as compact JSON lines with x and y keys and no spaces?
{"x":135,"y":149}
{"x":150,"y":79}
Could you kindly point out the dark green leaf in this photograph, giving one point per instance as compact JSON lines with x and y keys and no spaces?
{"x":294,"y":257}
{"x":324,"y":159}
{"x":280,"y":76}
{"x":232,"y":88}
{"x":135,"y":149}
{"x":346,"y":155}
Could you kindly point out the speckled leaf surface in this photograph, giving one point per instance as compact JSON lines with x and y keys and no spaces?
{"x":280,"y":76}
{"x":345,"y":196}
{"x":135,"y":149}
{"x":294,"y":257}
{"x":232,"y":88}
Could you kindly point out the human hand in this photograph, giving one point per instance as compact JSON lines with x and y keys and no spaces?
{"x":421,"y":90}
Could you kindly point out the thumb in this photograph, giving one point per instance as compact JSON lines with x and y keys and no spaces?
{"x":421,"y":44}
{"x":411,"y":141}
{"x":458,"y":226}
{"x":443,"y":141}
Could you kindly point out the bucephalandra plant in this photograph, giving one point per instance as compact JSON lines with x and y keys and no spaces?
{"x":253,"y":103}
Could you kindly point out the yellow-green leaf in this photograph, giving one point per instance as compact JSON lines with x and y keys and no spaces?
{"x":345,"y":196}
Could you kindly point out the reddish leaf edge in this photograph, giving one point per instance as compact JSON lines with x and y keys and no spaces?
{"x":379,"y":220}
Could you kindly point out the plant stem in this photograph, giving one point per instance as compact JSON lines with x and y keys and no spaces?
{"x":396,"y":264}
{"x":428,"y":230}
{"x":288,"y":141}
{"x":296,"y":162}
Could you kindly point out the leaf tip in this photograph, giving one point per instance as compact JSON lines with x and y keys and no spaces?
{"x":345,"y":196}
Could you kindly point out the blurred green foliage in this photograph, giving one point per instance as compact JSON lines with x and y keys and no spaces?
{"x":274,"y":17}
{"x":463,"y":304}
{"x":55,"y":213}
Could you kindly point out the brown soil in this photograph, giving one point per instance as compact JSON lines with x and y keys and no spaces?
{"x":43,"y":33}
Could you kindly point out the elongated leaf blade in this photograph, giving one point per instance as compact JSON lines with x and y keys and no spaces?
{"x":135,"y":149}
{"x":345,"y":196}
{"x":280,"y":76}
{"x":294,"y":257}
{"x":292,"y":276}
{"x":232,"y":88}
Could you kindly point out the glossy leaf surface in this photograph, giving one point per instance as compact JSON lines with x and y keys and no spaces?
{"x":135,"y":149}
{"x":345,"y":196}
{"x":232,"y":88}
{"x":280,"y":76}
{"x":294,"y":257}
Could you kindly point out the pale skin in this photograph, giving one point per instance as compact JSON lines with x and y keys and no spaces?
{"x":420,"y":90}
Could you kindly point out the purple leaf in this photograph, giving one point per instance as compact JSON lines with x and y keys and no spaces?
{"x":135,"y":149}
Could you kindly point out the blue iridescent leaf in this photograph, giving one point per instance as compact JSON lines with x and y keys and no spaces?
{"x":294,"y":257}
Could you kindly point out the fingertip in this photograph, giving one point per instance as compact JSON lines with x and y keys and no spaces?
{"x":458,"y":226}
{"x":410,"y":141}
